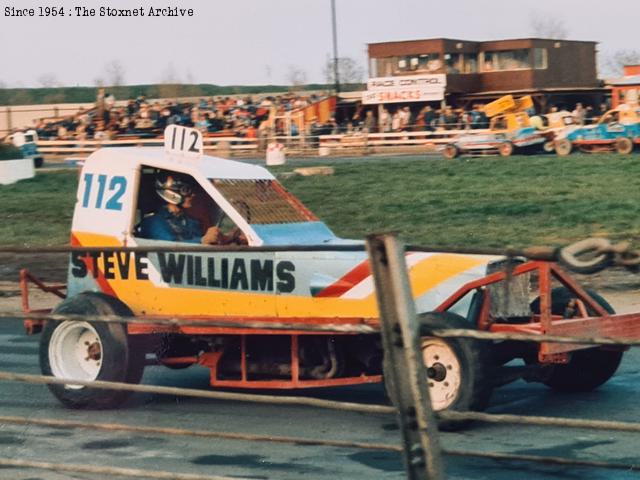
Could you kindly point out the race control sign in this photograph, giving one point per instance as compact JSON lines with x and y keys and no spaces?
{"x":409,"y":88}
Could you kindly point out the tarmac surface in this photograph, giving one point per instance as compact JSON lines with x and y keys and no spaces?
{"x":616,"y":400}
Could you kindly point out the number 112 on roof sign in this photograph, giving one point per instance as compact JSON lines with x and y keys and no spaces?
{"x":183,"y":141}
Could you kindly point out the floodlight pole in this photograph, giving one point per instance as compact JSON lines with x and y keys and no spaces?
{"x":336,"y":77}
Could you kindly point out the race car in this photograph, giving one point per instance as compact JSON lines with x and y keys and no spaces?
{"x":555,"y":126}
{"x":618,"y":130}
{"x":291,"y":271}
{"x":510,"y":131}
{"x":27,"y":143}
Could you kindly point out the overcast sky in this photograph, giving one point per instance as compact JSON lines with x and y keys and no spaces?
{"x":260,"y":41}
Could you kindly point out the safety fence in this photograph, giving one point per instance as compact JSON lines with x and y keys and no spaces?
{"x":399,"y":330}
{"x":304,"y":145}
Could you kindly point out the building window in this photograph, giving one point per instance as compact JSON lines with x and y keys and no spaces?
{"x":506,"y":60}
{"x":540,"y":58}
{"x":469,"y":63}
{"x":429,"y":62}
{"x":452,"y":62}
{"x":386,"y":67}
{"x":373,"y":67}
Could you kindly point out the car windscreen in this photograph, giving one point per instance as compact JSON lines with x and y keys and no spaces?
{"x":263,"y":201}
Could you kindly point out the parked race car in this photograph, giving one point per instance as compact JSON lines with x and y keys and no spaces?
{"x":510,"y":131}
{"x":26,"y":142}
{"x":617,"y":131}
{"x":290,"y":269}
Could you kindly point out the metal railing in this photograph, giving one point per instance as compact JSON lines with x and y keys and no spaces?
{"x":399,"y":330}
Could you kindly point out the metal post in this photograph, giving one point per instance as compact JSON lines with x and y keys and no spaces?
{"x":336,"y":76}
{"x":404,"y":370}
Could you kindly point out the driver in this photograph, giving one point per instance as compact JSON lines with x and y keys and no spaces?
{"x":171,"y":222}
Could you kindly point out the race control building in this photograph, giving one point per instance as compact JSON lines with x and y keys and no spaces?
{"x":461,"y":72}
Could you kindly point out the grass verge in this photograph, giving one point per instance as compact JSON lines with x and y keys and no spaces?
{"x":475,"y":202}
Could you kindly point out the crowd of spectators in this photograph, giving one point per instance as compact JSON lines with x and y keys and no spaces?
{"x":240,"y":117}
{"x":249,"y":117}
{"x":427,"y":118}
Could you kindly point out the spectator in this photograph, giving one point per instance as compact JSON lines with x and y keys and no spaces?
{"x":369,"y":123}
{"x":395,"y":121}
{"x":589,"y":116}
{"x":579,"y":114}
{"x":385,"y":121}
{"x":429,"y":118}
{"x":405,"y":118}
{"x":448,"y":119}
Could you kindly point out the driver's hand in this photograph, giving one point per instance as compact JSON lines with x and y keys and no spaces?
{"x":212,"y":236}
{"x":237,"y":237}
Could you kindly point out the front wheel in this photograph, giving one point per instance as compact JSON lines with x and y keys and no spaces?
{"x":89,"y":351}
{"x":563,"y":147}
{"x":450,"y":152}
{"x":587,"y":369}
{"x":505,"y":149}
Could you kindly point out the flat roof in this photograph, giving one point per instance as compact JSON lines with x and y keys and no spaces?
{"x":481,"y":41}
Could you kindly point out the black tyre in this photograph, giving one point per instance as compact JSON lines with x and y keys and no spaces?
{"x":563,"y":147}
{"x":505,"y":149}
{"x":587,"y":369}
{"x":38,"y":162}
{"x":88,"y":351}
{"x":450,"y":151}
{"x":624,"y":146}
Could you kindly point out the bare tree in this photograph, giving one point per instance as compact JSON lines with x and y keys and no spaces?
{"x":48,"y":80}
{"x":114,"y":73}
{"x":547,"y":25}
{"x":349,"y":71}
{"x":612,"y":65}
{"x":193,"y":89}
{"x":296,"y":77}
{"x":169,"y":82}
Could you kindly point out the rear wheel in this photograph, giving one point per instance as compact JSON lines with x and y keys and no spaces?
{"x":563,"y":147}
{"x":624,"y":146}
{"x":450,"y":152}
{"x":587,"y":369}
{"x":505,"y":149}
{"x":88,"y":351}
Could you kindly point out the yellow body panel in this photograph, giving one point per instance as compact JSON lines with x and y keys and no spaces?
{"x":155,"y":297}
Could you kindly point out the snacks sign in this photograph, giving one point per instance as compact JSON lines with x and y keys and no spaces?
{"x":410,"y":88}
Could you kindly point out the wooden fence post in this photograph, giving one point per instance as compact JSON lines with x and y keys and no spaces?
{"x":404,"y":371}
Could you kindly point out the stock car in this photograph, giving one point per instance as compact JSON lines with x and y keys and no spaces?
{"x":294,"y":272}
{"x":27,"y":143}
{"x":618,"y":130}
{"x":510,"y":131}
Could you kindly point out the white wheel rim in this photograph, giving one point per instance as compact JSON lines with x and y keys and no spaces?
{"x":75,"y":352}
{"x":444,"y":376}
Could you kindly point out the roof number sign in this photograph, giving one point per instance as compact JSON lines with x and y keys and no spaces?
{"x":183,"y":141}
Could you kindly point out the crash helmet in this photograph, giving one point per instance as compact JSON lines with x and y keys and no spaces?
{"x":174,"y":187}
